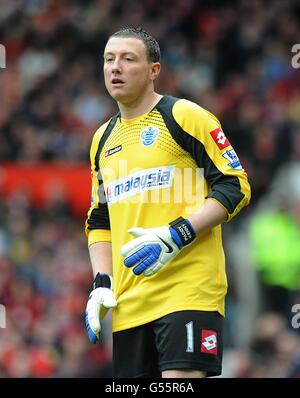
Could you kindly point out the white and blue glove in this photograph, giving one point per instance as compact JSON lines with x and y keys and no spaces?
{"x":155,"y":247}
{"x":100,"y":300}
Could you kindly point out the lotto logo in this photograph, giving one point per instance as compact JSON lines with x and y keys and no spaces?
{"x":220,"y":138}
{"x":209,"y":343}
{"x":113,"y":150}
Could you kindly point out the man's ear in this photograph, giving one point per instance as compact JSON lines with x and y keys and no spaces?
{"x":155,"y":70}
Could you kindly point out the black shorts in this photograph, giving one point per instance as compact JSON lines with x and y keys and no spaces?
{"x":180,"y":340}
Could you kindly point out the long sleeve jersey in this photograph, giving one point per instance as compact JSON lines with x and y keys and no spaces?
{"x":148,"y":171}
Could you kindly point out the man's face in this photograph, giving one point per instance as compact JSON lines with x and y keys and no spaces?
{"x":127,"y":70}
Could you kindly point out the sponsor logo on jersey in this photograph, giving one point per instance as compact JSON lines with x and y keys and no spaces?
{"x":209,"y":342}
{"x":234,"y":161}
{"x":149,"y":135}
{"x":220,"y":138}
{"x":113,"y":150}
{"x":144,"y":180}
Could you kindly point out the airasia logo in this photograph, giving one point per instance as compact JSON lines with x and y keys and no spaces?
{"x":209,"y":342}
{"x":220,"y":138}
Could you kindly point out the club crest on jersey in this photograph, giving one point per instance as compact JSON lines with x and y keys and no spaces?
{"x":232,"y":157}
{"x":149,"y":135}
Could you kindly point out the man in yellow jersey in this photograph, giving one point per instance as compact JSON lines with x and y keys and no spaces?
{"x":164,"y":179}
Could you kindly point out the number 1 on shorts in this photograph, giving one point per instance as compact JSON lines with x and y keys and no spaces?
{"x":189,"y":337}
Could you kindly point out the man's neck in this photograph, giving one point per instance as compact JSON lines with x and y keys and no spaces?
{"x":139,"y":107}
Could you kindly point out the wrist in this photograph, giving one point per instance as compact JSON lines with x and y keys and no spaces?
{"x":103,"y":280}
{"x":182,"y":232}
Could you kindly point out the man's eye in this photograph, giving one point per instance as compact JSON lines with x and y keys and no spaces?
{"x":128,"y":59}
{"x":108,"y":60}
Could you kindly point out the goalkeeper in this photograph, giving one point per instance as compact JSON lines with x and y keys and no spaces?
{"x":154,"y":236}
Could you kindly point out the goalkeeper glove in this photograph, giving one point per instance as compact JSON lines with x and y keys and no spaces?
{"x":155,"y":247}
{"x":100,"y":300}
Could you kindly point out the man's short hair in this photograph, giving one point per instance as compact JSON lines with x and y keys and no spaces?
{"x":152,"y":46}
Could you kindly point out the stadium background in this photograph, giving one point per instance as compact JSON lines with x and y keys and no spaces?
{"x":231,"y":57}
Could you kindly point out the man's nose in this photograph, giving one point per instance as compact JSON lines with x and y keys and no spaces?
{"x":116,"y":67}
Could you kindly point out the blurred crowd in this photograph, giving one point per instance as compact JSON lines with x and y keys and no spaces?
{"x":45,"y":277}
{"x":274,"y":351}
{"x":231,"y":57}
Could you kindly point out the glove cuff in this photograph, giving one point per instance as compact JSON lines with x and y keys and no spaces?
{"x":182,"y":232}
{"x":102,"y":280}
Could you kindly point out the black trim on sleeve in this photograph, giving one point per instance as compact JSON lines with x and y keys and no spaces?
{"x":228,"y":192}
{"x":225,"y":189}
{"x":103,"y":139}
{"x":99,"y":217}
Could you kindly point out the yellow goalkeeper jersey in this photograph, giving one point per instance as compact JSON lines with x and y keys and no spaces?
{"x":148,"y":171}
